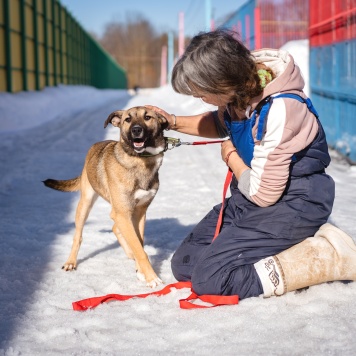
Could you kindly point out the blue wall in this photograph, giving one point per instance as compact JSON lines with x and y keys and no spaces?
{"x":240,"y":15}
{"x":333,"y":91}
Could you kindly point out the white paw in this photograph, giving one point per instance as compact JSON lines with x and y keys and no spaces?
{"x":69,"y":267}
{"x":140,"y":276}
{"x":154,"y":283}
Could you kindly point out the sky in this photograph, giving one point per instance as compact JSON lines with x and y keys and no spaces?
{"x":94,"y":15}
{"x":46,"y":134}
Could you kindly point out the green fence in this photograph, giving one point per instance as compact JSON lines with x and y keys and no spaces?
{"x":41,"y":44}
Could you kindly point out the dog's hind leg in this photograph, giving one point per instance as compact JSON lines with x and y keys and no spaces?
{"x":87,"y":199}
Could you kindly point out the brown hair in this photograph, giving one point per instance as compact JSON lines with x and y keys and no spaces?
{"x":217,"y":62}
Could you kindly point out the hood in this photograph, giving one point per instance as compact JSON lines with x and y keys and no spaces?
{"x":288,"y":74}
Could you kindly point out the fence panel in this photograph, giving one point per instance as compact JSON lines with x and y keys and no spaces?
{"x":243,"y":22}
{"x":333,"y":71}
{"x":41,"y":44}
{"x":270,"y":23}
{"x":283,"y":21}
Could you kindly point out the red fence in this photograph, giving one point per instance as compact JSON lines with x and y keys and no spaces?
{"x":281,"y":21}
{"x":270,"y":23}
{"x":333,"y":23}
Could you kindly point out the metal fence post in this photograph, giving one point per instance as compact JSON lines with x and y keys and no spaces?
{"x":7,"y":28}
{"x":60,"y":47}
{"x":46,"y":49}
{"x":36,"y":45}
{"x":23,"y":45}
{"x":54,"y":42}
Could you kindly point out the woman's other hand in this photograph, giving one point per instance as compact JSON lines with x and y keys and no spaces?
{"x":232,"y":158}
{"x":227,"y":149}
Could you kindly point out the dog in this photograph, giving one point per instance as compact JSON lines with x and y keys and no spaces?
{"x":124,"y":173}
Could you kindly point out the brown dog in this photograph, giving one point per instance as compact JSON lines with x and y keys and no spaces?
{"x":124,"y":173}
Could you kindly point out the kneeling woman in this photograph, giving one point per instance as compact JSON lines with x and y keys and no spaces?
{"x":274,"y":236}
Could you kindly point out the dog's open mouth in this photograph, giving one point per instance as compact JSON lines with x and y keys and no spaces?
{"x":139,"y":144}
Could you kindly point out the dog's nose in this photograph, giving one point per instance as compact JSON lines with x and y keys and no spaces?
{"x":136,"y":131}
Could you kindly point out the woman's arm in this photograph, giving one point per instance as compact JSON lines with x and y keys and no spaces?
{"x":198,"y":125}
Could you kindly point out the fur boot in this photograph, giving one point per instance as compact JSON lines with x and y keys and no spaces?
{"x":330,"y":255}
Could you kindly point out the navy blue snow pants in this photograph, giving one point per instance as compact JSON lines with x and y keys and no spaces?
{"x":250,"y":233}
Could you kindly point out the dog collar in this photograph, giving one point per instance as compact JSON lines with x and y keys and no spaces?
{"x":149,"y":154}
{"x":170,"y":143}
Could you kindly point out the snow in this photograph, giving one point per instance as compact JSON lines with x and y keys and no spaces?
{"x":46,"y":135}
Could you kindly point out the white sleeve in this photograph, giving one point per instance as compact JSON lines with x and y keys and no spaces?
{"x":244,"y":184}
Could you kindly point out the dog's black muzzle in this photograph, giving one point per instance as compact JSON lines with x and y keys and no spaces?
{"x":138,"y":137}
{"x":137,"y":131}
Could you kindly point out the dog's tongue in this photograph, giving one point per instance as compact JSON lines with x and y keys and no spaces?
{"x":138,"y":144}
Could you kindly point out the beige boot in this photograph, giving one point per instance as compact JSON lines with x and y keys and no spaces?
{"x":330,"y":255}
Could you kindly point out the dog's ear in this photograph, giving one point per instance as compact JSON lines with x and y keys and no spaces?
{"x":114,"y":119}
{"x":163,"y":121}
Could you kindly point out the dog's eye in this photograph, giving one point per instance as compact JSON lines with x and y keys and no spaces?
{"x":128,"y":119}
{"x":148,"y":117}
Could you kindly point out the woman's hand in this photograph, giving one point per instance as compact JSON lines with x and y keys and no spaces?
{"x":232,"y":158}
{"x":227,"y":149}
{"x":170,"y":118}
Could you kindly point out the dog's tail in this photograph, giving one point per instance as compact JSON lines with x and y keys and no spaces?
{"x":70,"y":185}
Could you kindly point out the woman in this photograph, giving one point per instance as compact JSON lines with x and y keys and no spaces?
{"x":280,"y":193}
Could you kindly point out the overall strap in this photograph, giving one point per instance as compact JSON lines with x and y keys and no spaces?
{"x":306,"y":101}
{"x":264,"y":106}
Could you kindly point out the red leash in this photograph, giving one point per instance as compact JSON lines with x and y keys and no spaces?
{"x":201,"y":142}
{"x":176,"y":142}
{"x":91,"y":303}
{"x":214,"y":300}
{"x":220,"y":219}
{"x":187,"y":303}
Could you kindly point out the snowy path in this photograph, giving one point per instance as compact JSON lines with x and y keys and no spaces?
{"x":36,"y":230}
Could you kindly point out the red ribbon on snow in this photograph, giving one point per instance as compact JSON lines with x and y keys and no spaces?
{"x":187,"y":303}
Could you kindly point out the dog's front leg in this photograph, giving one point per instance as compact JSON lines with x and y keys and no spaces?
{"x":122,"y":242}
{"x":125,"y":223}
{"x":139,"y":221}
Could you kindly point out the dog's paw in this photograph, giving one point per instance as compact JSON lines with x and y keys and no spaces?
{"x":140,"y":276}
{"x":69,"y":266}
{"x":154,"y":283}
